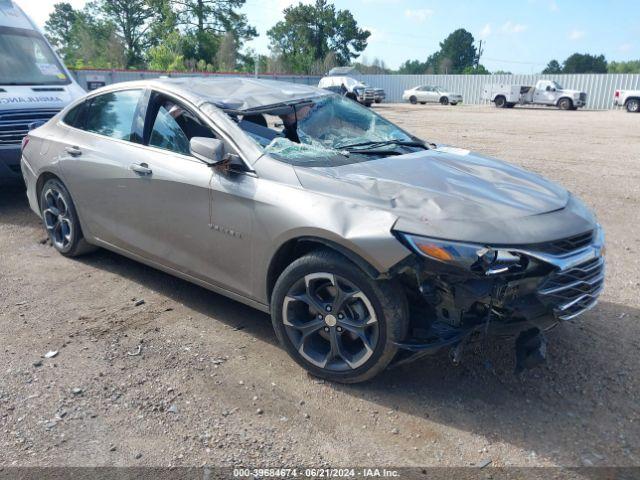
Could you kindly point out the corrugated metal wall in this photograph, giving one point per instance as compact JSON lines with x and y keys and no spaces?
{"x":599,"y":87}
{"x":115,"y":76}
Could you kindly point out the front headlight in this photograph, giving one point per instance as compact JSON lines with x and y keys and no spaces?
{"x":476,"y":258}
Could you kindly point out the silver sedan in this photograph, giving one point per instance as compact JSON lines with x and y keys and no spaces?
{"x":366,"y":244}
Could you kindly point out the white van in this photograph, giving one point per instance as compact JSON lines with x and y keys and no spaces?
{"x":34,"y":85}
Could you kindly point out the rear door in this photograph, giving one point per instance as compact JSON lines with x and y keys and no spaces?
{"x":103,"y":141}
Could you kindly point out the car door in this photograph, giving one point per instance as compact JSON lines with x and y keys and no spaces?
{"x":430,"y":95}
{"x":99,"y":147}
{"x":185,"y":213}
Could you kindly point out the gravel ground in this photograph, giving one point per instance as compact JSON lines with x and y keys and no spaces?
{"x":151,"y":370}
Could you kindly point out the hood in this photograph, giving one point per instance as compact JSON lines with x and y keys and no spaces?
{"x":448,"y":193}
{"x":567,"y":91}
{"x":41,"y":96}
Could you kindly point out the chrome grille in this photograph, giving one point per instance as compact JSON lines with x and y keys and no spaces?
{"x":14,"y":125}
{"x":564,"y":246}
{"x":574,"y":290}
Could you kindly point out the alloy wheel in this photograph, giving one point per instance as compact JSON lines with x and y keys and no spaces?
{"x":330,"y":322}
{"x":57,"y":218}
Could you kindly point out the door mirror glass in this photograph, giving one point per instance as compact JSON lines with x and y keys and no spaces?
{"x":209,"y":150}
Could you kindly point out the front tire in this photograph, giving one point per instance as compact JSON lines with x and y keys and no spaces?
{"x":334,"y":320}
{"x":565,"y":104}
{"x":60,"y":220}
{"x":633,"y":105}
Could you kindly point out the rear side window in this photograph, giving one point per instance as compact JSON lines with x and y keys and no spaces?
{"x":74,"y":117}
{"x":112,"y":114}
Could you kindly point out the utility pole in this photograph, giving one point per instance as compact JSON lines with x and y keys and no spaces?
{"x":480,"y":51}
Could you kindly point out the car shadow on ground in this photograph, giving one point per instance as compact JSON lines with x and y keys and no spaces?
{"x":589,"y":381}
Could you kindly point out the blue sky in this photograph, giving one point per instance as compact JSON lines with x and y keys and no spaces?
{"x":520,"y":36}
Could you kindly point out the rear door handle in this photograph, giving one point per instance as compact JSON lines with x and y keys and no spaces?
{"x":74,"y":151}
{"x":141,"y":168}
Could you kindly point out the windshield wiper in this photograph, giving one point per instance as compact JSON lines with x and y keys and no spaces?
{"x":381,"y":143}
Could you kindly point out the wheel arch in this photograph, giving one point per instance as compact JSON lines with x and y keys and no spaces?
{"x":297,"y":247}
{"x":42,"y":179}
{"x":564,"y":97}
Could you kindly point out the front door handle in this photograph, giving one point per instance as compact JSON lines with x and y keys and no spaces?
{"x":74,"y":151}
{"x":141,"y":168}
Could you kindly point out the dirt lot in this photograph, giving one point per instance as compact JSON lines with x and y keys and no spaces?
{"x":210,"y":385}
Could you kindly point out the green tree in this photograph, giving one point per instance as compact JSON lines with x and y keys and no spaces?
{"x":553,"y":67}
{"x":167,"y":56}
{"x":412,"y":67}
{"x":132,"y":19}
{"x":59,"y":26}
{"x":83,"y":38}
{"x":227,"y":55}
{"x":632,"y":66}
{"x":456,"y":53}
{"x":309,"y":33}
{"x":476,"y":70}
{"x":585,"y":63}
{"x":208,"y":21}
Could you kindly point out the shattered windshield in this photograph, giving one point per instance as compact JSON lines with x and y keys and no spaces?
{"x":328,"y":130}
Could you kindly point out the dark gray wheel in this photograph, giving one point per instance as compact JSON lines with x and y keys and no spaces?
{"x":565,"y":104}
{"x":633,"y":105}
{"x":444,"y":101}
{"x":413,"y":100}
{"x":61,"y":220}
{"x":423,"y":103}
{"x":334,"y":320}
{"x":500,"y":101}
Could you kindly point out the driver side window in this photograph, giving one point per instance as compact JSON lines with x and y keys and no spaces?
{"x":173,"y":126}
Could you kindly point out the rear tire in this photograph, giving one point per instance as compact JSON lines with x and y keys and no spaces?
{"x":423,"y":103}
{"x":633,"y":105}
{"x":565,"y":104}
{"x":60,"y":220}
{"x":444,"y":101}
{"x":346,"y":341}
{"x":413,"y":100}
{"x":500,"y":101}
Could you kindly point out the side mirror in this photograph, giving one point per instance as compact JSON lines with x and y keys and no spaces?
{"x":209,"y":150}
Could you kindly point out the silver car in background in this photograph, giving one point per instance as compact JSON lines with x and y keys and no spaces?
{"x":431,"y":94}
{"x":366,"y":244}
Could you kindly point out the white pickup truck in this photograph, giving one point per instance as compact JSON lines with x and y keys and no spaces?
{"x":629,"y":99}
{"x":545,"y":92}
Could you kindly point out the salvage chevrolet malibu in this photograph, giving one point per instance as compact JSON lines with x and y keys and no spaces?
{"x":367,"y":245}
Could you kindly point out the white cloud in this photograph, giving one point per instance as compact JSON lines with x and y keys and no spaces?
{"x":376,"y":35}
{"x":419,"y":15}
{"x":510,"y":27}
{"x":485,"y":32}
{"x":576,"y":34}
{"x":625,"y":47}
{"x":553,"y":6}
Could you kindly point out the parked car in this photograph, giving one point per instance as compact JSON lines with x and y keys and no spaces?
{"x":366,"y":244}
{"x":352,"y":88}
{"x":431,"y":94}
{"x":545,"y":92}
{"x":34,"y":85}
{"x":629,"y":99}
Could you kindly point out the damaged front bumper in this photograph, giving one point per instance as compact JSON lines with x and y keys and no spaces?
{"x":520,"y":292}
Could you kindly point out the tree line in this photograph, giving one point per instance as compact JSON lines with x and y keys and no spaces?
{"x":210,"y":35}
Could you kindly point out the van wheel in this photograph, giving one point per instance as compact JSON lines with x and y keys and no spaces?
{"x":565,"y":104}
{"x":413,"y":100}
{"x":60,"y":220}
{"x":500,"y":101}
{"x":633,"y":105}
{"x":444,"y":101}
{"x":334,"y":320}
